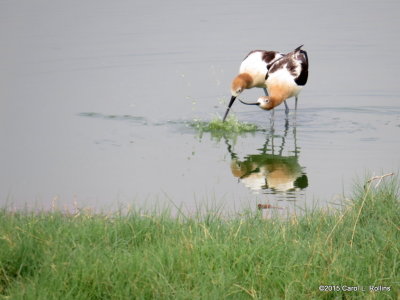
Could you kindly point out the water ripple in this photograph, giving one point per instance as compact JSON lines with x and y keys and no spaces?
{"x":135,"y":119}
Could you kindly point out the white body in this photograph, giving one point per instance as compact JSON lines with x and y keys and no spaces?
{"x":254,"y":65}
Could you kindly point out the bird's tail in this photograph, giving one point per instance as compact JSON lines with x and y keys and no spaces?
{"x":298,"y":48}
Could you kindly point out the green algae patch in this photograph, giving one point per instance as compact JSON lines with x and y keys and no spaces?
{"x":231,"y":128}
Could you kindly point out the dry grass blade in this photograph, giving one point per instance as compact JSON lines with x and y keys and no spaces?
{"x":367,"y":188}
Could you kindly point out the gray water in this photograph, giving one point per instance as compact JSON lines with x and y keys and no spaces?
{"x":97,"y":98}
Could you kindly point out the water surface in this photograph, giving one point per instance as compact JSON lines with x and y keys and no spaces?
{"x":97,"y":99}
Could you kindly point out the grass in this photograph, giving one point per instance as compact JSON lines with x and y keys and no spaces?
{"x":137,"y":256}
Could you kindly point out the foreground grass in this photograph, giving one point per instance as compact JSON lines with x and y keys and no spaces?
{"x":59,"y":256}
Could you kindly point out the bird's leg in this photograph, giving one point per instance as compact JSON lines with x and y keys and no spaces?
{"x":272,"y":120}
{"x":286,"y":108}
{"x":295,"y":111}
{"x":265,"y":91}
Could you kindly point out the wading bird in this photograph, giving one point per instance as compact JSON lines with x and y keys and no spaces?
{"x":252,"y":72}
{"x":285,"y":78}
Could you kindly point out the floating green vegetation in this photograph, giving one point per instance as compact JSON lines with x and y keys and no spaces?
{"x":232,"y":127}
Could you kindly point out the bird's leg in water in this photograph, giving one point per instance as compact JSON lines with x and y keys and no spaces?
{"x":295,"y":112}
{"x":265,"y":91}
{"x":286,"y":109}
{"x":272,"y":120}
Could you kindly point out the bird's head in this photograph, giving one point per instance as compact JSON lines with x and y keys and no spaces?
{"x":263,"y":102}
{"x":241,"y":82}
{"x":237,"y":87}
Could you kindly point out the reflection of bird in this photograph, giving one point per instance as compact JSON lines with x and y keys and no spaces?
{"x":252,"y":72}
{"x":270,"y":170}
{"x":285,"y":78}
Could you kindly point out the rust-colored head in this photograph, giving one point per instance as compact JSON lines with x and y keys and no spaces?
{"x":241,"y":82}
{"x":265,"y":102}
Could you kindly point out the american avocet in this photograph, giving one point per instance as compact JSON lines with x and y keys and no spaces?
{"x":285,"y":79}
{"x":252,"y":72}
